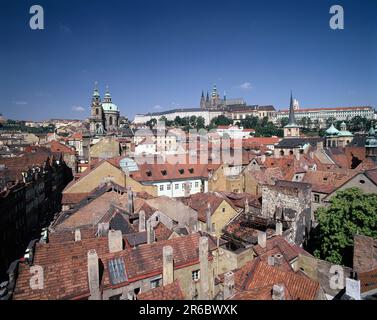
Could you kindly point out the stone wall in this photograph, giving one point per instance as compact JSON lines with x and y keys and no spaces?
{"x":290,"y":202}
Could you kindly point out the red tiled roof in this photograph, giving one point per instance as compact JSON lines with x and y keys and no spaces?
{"x":327,"y":181}
{"x":264,"y":293}
{"x":171,"y":291}
{"x":299,"y":287}
{"x":56,"y":146}
{"x":239,"y":199}
{"x":288,"y":250}
{"x":261,"y":141}
{"x":65,"y":265}
{"x":75,"y":136}
{"x":199,"y":202}
{"x":166,"y":171}
{"x":161,"y":232}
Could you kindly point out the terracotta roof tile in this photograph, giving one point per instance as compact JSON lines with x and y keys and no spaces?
{"x":161,"y":232}
{"x":299,"y":287}
{"x":264,"y":293}
{"x":65,"y":265}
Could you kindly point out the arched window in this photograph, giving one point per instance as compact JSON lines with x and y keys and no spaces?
{"x":97,"y":111}
{"x":111,"y":121}
{"x":282,"y":152}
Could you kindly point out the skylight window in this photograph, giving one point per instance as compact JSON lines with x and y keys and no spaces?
{"x":117,"y":271}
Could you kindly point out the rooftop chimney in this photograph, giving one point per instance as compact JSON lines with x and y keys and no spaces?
{"x":103,"y":229}
{"x":208,"y":216}
{"x":271,"y":260}
{"x":115,"y":241}
{"x":130,"y":201}
{"x":77,"y":235}
{"x":93,"y":275}
{"x":279,"y":228}
{"x":167,"y":265}
{"x":262,"y":238}
{"x":278,"y":259}
{"x":298,"y":156}
{"x":278,"y":292}
{"x":204,"y":271}
{"x":228,"y":285}
{"x":247,"y":208}
{"x":150,"y":232}
{"x":141,"y":221}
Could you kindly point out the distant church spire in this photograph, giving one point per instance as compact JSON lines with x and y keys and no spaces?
{"x":292,"y":120}
{"x":291,"y":130}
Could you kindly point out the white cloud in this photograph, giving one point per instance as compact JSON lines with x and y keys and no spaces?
{"x":157,"y":107}
{"x":246,"y":86}
{"x":20,"y":103}
{"x":78,"y":109}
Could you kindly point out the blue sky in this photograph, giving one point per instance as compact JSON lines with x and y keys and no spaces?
{"x":159,"y":54}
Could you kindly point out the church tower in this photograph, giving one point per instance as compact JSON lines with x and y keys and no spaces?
{"x":96,"y":119}
{"x":111,"y":113}
{"x":202,"y":101}
{"x":214,"y":98}
{"x":291,"y":130}
{"x":371,"y":143}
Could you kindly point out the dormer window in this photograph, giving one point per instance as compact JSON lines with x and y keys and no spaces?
{"x":181,"y":171}
{"x":163,"y":172}
{"x":149,"y":173}
{"x":191,"y":170}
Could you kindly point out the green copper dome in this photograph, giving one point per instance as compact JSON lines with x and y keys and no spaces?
{"x":371,"y":141}
{"x":332,"y":131}
{"x":95,"y":93}
{"x":109,"y":106}
{"x":343,"y":130}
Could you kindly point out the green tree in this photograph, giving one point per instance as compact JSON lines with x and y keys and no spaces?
{"x":151,"y":123}
{"x":351,"y":212}
{"x":284,"y":121}
{"x":250,"y":122}
{"x":222,"y":121}
{"x":178,"y":121}
{"x":192,"y":121}
{"x":200,"y":123}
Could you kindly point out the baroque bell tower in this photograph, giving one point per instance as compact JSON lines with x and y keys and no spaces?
{"x":96,"y":119}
